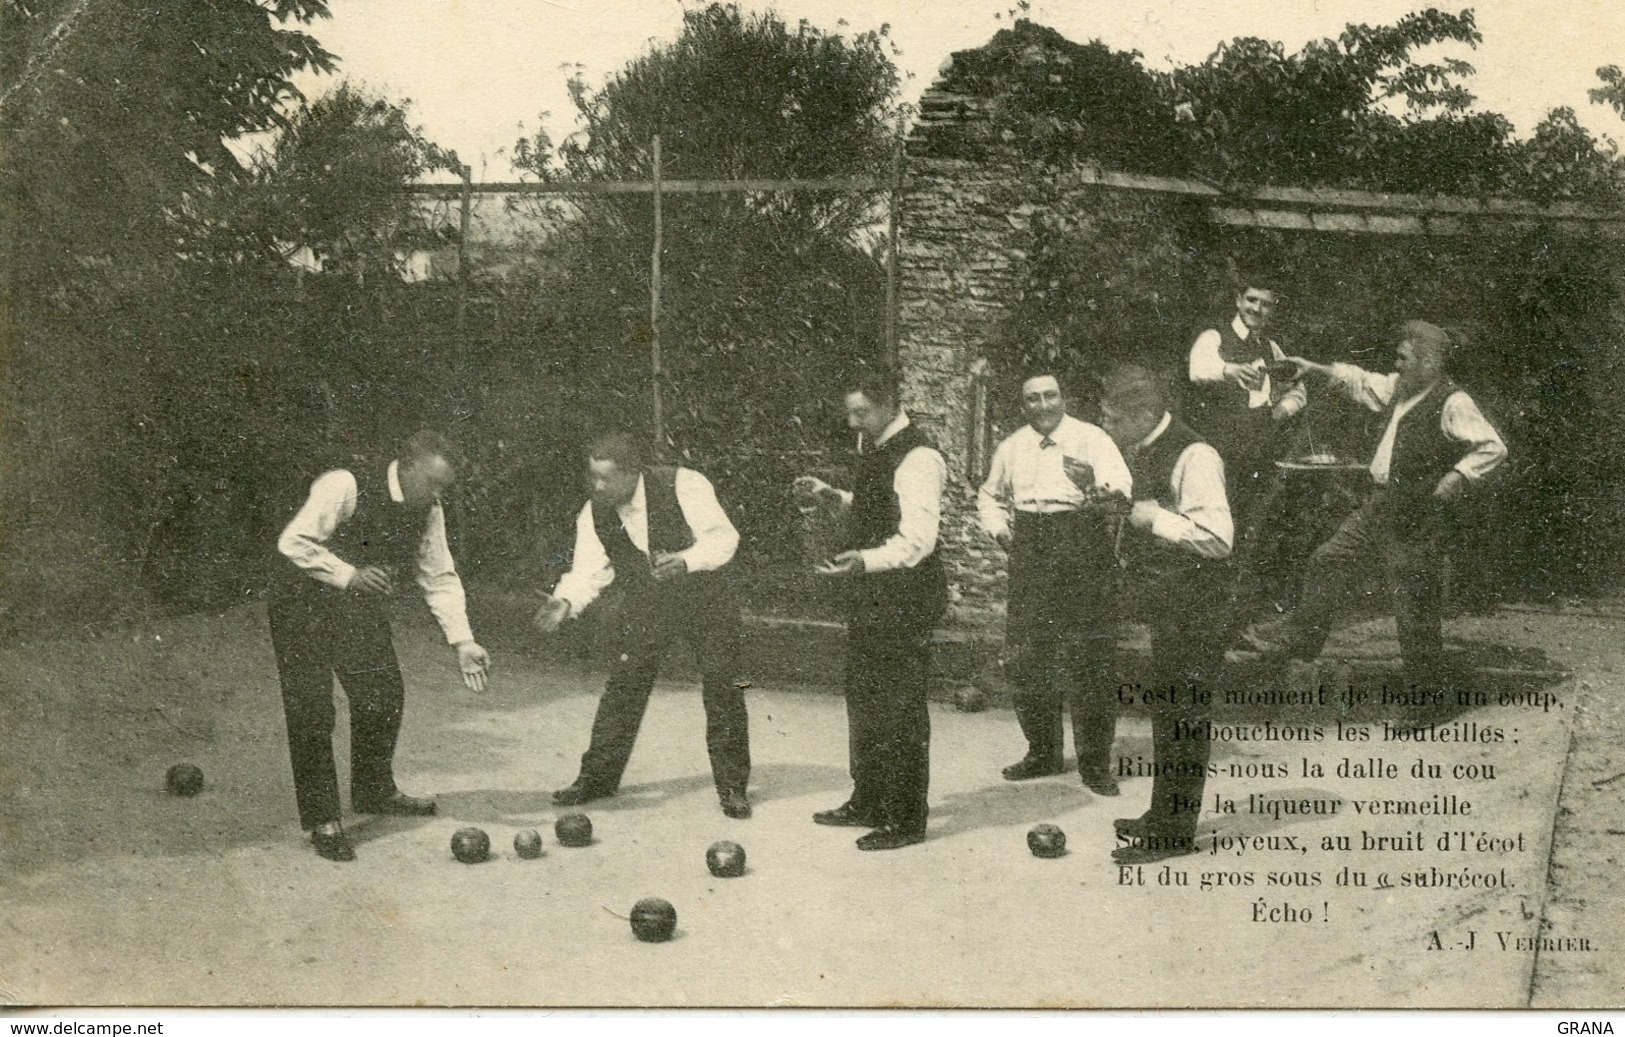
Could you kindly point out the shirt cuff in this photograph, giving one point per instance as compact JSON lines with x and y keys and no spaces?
{"x":1167,"y":525}
{"x":343,"y":573}
{"x":875,"y":560}
{"x":459,"y":630}
{"x":576,"y":607}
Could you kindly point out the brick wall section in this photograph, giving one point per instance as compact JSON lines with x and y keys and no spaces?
{"x":959,"y":261}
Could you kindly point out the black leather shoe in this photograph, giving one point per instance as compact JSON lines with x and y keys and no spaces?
{"x":890,"y":837}
{"x":334,"y":845}
{"x":1130,"y":827}
{"x":1029,"y":767}
{"x":398,"y":805}
{"x":575,"y":795}
{"x":845,"y":816}
{"x":735,"y":804}
{"x":1101,"y":784}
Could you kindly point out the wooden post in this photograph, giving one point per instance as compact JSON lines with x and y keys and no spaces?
{"x":894,"y":219}
{"x":467,"y":173}
{"x":654,"y":311}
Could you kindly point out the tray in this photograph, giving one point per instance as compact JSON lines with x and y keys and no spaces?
{"x":1322,"y":466}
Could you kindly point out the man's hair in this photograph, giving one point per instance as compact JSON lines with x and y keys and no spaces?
{"x":619,"y":446}
{"x":879,"y":382}
{"x":1040,"y":371}
{"x":1134,"y":388}
{"x":1430,"y":336}
{"x":426,"y":443}
{"x":1260,"y":278}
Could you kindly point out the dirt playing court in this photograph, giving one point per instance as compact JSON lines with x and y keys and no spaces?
{"x":116,"y":892}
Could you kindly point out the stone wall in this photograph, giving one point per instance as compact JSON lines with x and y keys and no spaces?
{"x":968,"y":253}
{"x":959,"y":264}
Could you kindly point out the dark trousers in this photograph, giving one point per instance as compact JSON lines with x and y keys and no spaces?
{"x":650,"y":622}
{"x":1187,"y":651}
{"x":1058,"y":636}
{"x":317,"y":636}
{"x":888,"y":662}
{"x":1399,"y":537}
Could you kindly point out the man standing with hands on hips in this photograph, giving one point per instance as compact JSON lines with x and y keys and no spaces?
{"x":897,"y":591}
{"x":658,"y":533}
{"x":1035,"y":503}
{"x":358,"y":534}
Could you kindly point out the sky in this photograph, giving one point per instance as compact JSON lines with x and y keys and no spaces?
{"x":479,"y":73}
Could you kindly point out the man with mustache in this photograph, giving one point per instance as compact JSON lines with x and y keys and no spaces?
{"x":358,"y":535}
{"x":659,"y":533}
{"x":1175,"y":550}
{"x":1035,"y":503}
{"x":1435,"y":445}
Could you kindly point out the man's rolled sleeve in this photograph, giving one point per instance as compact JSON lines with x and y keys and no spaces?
{"x":993,"y":498}
{"x":1202,"y":524}
{"x":437,"y":577}
{"x":1367,"y":388}
{"x":1206,"y":363}
{"x":590,"y":568}
{"x":716,"y":541}
{"x":303,"y":542}
{"x":1463,"y":422}
{"x":918,"y":482}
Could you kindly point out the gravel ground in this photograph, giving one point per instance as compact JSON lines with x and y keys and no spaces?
{"x":116,"y":892}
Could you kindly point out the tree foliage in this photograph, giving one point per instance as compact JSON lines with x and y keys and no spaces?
{"x":760,"y":289}
{"x":764,"y":294}
{"x":111,"y":112}
{"x":738,"y":96}
{"x":1360,"y":110}
{"x":332,"y":181}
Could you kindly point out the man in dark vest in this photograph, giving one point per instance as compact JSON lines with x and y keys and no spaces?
{"x":897,"y":591}
{"x":1178,"y":537}
{"x":1243,"y":399}
{"x":1435,"y":444}
{"x":1237,"y":398}
{"x":659,"y":534}
{"x":358,"y":535}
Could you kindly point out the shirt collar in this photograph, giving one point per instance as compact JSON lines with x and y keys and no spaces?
{"x":897,"y":425}
{"x":1162,"y":426}
{"x":1242,"y":331}
{"x":1060,"y":427}
{"x":396,"y":494}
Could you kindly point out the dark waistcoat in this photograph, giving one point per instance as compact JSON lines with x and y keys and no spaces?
{"x":669,"y":532}
{"x":1150,"y":560}
{"x":382,"y":532}
{"x":1422,"y":453}
{"x":917,"y":593}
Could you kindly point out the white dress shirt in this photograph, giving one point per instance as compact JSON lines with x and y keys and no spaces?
{"x":1461,"y":421}
{"x":715,"y":539}
{"x":332,"y":503}
{"x":1026,"y":473}
{"x":918,"y":482}
{"x":1200,"y":521}
{"x":1207,"y":366}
